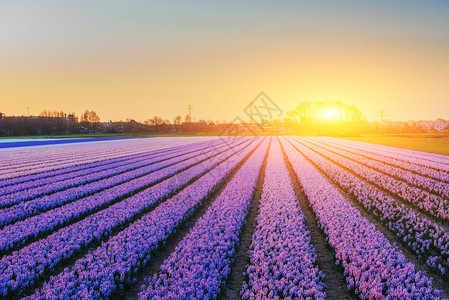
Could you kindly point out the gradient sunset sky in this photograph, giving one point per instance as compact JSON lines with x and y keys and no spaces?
{"x":137,"y":59}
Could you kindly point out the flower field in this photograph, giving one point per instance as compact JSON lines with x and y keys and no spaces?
{"x":223,"y":218}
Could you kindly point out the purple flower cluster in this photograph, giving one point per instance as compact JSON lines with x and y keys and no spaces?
{"x":39,"y":205}
{"x":433,"y":204}
{"x":282,"y":260}
{"x":423,"y":182}
{"x":431,"y":160}
{"x":58,"y":172}
{"x":397,"y":160}
{"x":21,"y":162}
{"x":19,"y":232}
{"x":70,"y":181}
{"x":116,"y":262}
{"x":37,"y":160}
{"x":201,"y":261}
{"x":373,"y":267}
{"x":20,"y":269}
{"x":78,"y":175}
{"x":419,"y":234}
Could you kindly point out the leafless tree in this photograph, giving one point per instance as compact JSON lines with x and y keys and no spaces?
{"x":156,"y":122}
{"x":90,"y":118}
{"x":177,"y":122}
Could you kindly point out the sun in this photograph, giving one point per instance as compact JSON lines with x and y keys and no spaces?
{"x":330,"y":114}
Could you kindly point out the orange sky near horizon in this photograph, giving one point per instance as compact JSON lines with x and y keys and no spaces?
{"x":139,"y":60}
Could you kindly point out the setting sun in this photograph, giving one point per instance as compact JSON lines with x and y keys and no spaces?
{"x":330,"y":114}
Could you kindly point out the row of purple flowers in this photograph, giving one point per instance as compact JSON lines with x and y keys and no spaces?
{"x":47,"y":159}
{"x":117,"y":262}
{"x":20,"y":269}
{"x":106,"y":159}
{"x":26,"y":162}
{"x":22,"y":231}
{"x":85,"y":173}
{"x":427,"y":159}
{"x":430,"y":203}
{"x":397,"y":160}
{"x":423,"y":237}
{"x":29,"y":192}
{"x":201,"y":262}
{"x":373,"y":267}
{"x":428,"y":184}
{"x":53,"y":185}
{"x":36,"y":206}
{"x":282,"y":259}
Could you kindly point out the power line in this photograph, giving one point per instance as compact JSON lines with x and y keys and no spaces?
{"x":190,"y":107}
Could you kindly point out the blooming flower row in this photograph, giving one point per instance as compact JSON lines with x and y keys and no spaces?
{"x":423,"y":237}
{"x":20,"y":232}
{"x":430,"y":203}
{"x":83,"y":173}
{"x":28,"y":192}
{"x":397,"y":160}
{"x":23,"y":267}
{"x":117,"y":261}
{"x":201,"y":261}
{"x":21,"y":162}
{"x":282,"y":260}
{"x":431,"y":160}
{"x":47,"y":158}
{"x":417,"y":180}
{"x":373,"y":267}
{"x":36,"y":206}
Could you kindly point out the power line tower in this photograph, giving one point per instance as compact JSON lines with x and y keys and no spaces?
{"x":189,"y":108}
{"x":382,"y":114}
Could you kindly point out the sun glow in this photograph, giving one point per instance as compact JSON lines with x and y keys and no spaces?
{"x":326,"y":117}
{"x":330,"y":114}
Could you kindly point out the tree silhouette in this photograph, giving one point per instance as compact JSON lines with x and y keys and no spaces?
{"x":326,"y":117}
{"x":156,"y":122}
{"x":177,"y":122}
{"x":90,"y":118}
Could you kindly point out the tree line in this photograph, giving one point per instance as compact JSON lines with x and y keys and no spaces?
{"x":332,"y":118}
{"x":51,"y":122}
